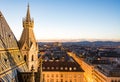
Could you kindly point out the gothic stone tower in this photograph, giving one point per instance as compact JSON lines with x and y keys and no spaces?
{"x":28,"y":44}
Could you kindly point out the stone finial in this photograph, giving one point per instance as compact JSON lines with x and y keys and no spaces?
{"x":28,"y":18}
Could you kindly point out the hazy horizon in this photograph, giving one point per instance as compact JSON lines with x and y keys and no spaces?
{"x":74,"y":40}
{"x":66,"y":19}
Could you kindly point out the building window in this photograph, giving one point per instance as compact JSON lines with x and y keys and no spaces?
{"x":57,"y":68}
{"x":47,"y":80}
{"x":112,"y":81}
{"x":43,"y":67}
{"x":5,"y":60}
{"x":32,"y":58}
{"x":70,"y":80}
{"x":43,"y":75}
{"x":25,"y":57}
{"x":32,"y":67}
{"x":48,"y":67}
{"x":115,"y":80}
{"x":61,"y":68}
{"x":19,"y":56}
{"x":56,"y":80}
{"x":52,"y":75}
{"x":56,"y":75}
{"x":9,"y":36}
{"x":47,"y":75}
{"x":66,"y":68}
{"x":74,"y":68}
{"x":61,"y":80}
{"x":52,"y":80}
{"x":70,"y":68}
{"x":74,"y":76}
{"x":74,"y":80}
{"x":61,"y":75}
{"x":52,"y":68}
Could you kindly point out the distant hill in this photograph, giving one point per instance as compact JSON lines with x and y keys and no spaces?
{"x":95,"y":43}
{"x":88,"y":43}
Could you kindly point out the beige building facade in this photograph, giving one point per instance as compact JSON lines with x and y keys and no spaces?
{"x":60,"y":71}
{"x":100,"y":77}
{"x":56,"y":76}
{"x":92,"y":74}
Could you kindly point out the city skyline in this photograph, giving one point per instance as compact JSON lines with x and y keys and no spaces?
{"x":66,"y":19}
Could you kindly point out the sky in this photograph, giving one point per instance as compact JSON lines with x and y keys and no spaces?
{"x":66,"y":19}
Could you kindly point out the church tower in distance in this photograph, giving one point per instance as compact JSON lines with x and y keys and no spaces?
{"x":28,"y":45}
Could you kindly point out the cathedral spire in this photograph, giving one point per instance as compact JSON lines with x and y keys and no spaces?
{"x":28,"y":18}
{"x":28,"y":44}
{"x":27,"y":21}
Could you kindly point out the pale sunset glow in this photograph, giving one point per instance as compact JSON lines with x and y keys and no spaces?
{"x":65,"y":20}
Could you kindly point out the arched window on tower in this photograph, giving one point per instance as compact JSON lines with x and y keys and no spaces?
{"x":25,"y":57}
{"x":32,"y":58}
{"x":32,"y":68}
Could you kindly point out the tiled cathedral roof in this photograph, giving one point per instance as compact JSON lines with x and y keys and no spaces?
{"x":11,"y":59}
